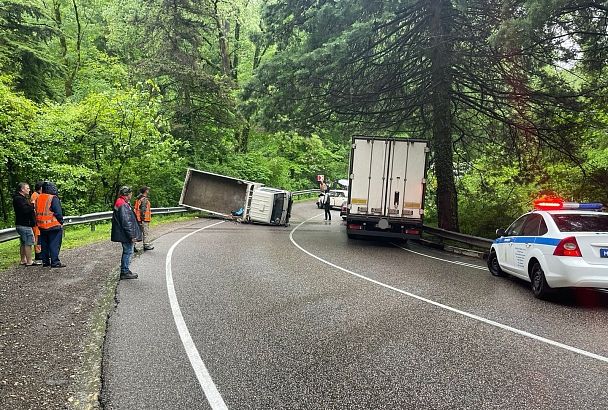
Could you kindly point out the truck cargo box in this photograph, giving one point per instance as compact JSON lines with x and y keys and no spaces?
{"x":387,"y":181}
{"x":216,"y":194}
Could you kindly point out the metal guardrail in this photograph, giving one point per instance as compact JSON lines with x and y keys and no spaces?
{"x":476,"y":241}
{"x":305,"y":192}
{"x":10,"y":233}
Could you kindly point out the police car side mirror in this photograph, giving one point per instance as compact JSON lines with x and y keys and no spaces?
{"x":500,"y":232}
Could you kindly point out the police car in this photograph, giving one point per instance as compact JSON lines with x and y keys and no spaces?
{"x":559,"y":244}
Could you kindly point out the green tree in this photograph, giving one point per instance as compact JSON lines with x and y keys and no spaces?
{"x":25,"y":30}
{"x":16,"y":154}
{"x":447,"y":70}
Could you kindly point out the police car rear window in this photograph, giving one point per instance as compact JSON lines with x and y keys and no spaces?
{"x":581,"y":223}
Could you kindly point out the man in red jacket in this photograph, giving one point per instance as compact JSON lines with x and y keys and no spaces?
{"x":125,"y":230}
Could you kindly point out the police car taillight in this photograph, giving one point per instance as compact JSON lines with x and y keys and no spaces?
{"x":567,"y":247}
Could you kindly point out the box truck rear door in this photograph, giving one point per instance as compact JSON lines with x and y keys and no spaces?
{"x":369,"y":175}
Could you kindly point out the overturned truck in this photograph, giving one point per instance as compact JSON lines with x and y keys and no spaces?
{"x":234,"y":198}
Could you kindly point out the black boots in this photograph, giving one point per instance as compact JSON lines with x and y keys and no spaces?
{"x":128,"y":275}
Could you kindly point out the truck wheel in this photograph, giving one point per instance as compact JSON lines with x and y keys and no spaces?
{"x":493,"y":265}
{"x":351,"y":236}
{"x":540,"y":287}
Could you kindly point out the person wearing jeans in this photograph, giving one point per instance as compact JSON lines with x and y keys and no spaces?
{"x":25,"y":219}
{"x":49,"y":219}
{"x":125,"y":230}
{"x":125,"y":261}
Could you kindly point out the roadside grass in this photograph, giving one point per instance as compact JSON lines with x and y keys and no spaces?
{"x":80,"y":235}
{"x":305,"y":198}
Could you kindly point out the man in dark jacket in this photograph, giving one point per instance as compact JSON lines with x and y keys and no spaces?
{"x":49,"y":218}
{"x":125,"y":230}
{"x":327,"y":205}
{"x":25,"y":219}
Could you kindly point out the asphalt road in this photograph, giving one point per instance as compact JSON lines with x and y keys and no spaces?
{"x":300,"y":317}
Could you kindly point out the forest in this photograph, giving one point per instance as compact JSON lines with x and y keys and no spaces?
{"x":511,"y":94}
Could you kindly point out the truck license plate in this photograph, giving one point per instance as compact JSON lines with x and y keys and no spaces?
{"x":603,"y":252}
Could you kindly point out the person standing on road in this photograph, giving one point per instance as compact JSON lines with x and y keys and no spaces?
{"x":37,"y":247}
{"x":143,"y":213}
{"x":327,"y":205}
{"x":49,"y":218}
{"x":25,"y":219}
{"x":125,"y":230}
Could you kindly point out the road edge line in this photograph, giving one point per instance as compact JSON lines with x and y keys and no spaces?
{"x":202,"y":374}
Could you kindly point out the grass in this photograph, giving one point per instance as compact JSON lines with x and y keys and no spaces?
{"x":80,"y":235}
{"x":304,"y":198}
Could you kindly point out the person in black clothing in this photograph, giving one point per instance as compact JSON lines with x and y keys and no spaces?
{"x":327,"y":205}
{"x":125,"y":230}
{"x":49,"y":218}
{"x":25,"y":219}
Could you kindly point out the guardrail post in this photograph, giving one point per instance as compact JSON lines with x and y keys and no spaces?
{"x":92,"y":226}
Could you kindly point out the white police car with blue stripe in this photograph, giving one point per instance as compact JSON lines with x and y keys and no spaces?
{"x":559,"y":244}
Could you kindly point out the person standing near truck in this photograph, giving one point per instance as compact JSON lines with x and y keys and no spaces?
{"x":37,"y":246}
{"x":25,"y":219}
{"x":49,"y":219}
{"x":143,"y":213}
{"x":125,"y":230}
{"x":327,"y":205}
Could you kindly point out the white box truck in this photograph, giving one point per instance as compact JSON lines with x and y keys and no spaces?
{"x":234,"y":198}
{"x":387,"y":179}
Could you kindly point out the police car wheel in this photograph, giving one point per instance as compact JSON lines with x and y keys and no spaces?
{"x":540,"y":287}
{"x":493,"y":265}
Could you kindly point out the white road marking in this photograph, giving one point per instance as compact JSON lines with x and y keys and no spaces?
{"x":468,"y":265}
{"x":449,"y":308}
{"x":211,"y":393}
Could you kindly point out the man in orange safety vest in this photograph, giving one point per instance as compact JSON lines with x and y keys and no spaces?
{"x":49,"y":219}
{"x":143,"y":213}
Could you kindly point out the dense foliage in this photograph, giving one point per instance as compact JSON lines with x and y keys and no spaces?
{"x":511,"y":93}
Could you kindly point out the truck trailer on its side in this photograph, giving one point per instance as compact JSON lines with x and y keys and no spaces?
{"x":387,"y":179}
{"x":234,"y":198}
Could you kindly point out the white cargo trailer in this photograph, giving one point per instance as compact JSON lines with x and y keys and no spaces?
{"x":387,"y":180}
{"x":234,"y":198}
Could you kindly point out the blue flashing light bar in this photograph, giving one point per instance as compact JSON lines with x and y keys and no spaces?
{"x":589,"y":206}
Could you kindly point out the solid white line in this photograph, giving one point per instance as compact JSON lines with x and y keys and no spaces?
{"x":469,"y":265}
{"x":449,"y":308}
{"x":211,"y":393}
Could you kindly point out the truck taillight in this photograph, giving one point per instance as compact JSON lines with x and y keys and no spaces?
{"x":412,"y":232}
{"x":355,"y":226}
{"x":568,"y":247}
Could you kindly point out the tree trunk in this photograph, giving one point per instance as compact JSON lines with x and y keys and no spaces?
{"x":243,"y":139}
{"x":222,"y":30}
{"x":69,"y":82}
{"x":235,"y":58}
{"x":441,"y":97}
